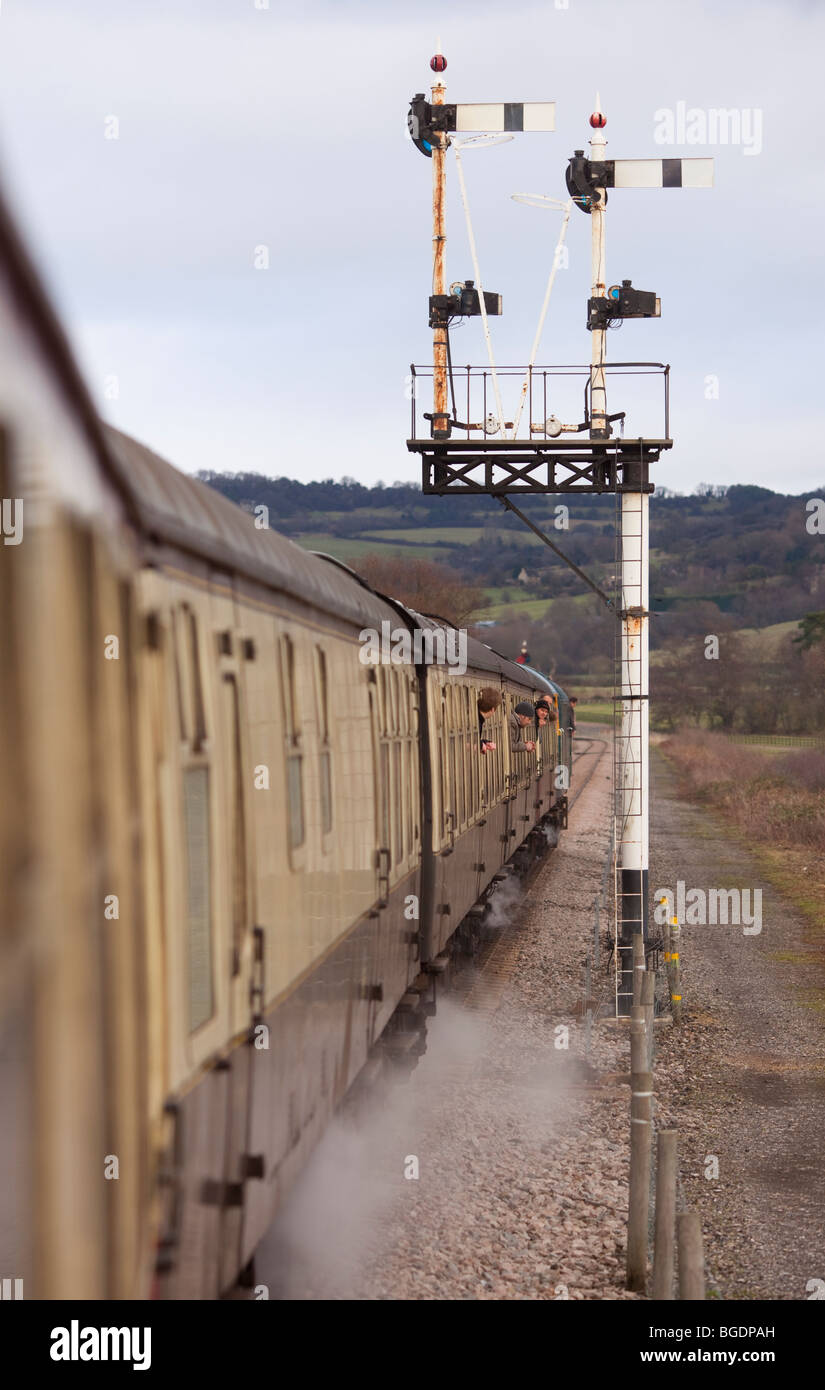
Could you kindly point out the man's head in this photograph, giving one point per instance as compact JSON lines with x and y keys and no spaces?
{"x":524,"y":712}
{"x":489,"y":700}
{"x":574,"y":699}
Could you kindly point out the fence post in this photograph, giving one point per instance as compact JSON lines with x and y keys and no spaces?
{"x":664,"y":1237}
{"x":648,"y":1004}
{"x":641,"y":1112}
{"x":588,"y":1012}
{"x":691,"y":1256}
{"x":674,"y":976}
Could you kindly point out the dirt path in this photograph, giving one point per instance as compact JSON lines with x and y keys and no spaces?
{"x":744,"y":1079}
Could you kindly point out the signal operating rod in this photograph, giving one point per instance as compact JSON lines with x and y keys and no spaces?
{"x":598,"y":391}
{"x":439,"y":156}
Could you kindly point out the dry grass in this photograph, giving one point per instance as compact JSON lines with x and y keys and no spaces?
{"x":778,"y":801}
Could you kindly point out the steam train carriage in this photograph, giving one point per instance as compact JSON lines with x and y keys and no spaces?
{"x":234,"y":853}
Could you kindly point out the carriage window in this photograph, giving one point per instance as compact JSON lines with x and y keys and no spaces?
{"x":456,"y":754}
{"x":178,"y":675}
{"x":474,"y":755}
{"x":235,"y":809}
{"x":198,"y":906}
{"x":382,"y":700}
{"x":442,"y":779}
{"x":407,"y":785}
{"x":323,"y":708}
{"x":195,"y":798}
{"x":325,"y":767}
{"x":198,"y":716}
{"x":295,"y":793}
{"x":384,"y":798}
{"x":392,"y":691}
{"x":188,"y":682}
{"x":451,"y":794}
{"x":442,"y":762}
{"x":294,"y":759}
{"x":326,"y":792}
{"x":288,"y":682}
{"x":459,"y":761}
{"x":398,"y":802}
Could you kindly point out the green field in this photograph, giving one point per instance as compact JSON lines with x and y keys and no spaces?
{"x":452,"y":535}
{"x":520,"y":608}
{"x":509,"y":594}
{"x":347,"y":549}
{"x":593,"y":713}
{"x":502,"y":603}
{"x":774,"y":633}
{"x":423,"y":535}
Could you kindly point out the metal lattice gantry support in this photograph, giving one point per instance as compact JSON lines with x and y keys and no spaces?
{"x":499,"y":467}
{"x":476,"y":455}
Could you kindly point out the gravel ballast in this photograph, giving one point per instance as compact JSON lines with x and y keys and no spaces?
{"x":500,"y":1169}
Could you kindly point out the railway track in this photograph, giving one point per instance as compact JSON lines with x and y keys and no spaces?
{"x":498,"y":957}
{"x":478,"y":986}
{"x":479,"y":970}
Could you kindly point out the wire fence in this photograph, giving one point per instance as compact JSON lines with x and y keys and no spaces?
{"x":780,"y":740}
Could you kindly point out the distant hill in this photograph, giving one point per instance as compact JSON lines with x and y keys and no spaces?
{"x":738,"y":556}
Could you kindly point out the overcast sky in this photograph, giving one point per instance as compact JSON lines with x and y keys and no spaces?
{"x":241,"y":127}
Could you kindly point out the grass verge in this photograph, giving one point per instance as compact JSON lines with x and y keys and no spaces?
{"x":776,"y":808}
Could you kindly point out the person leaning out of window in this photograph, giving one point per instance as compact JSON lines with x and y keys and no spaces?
{"x":488,"y":702}
{"x":522,"y":716}
{"x":544,"y":713}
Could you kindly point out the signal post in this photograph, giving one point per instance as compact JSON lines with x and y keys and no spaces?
{"x":474,"y":456}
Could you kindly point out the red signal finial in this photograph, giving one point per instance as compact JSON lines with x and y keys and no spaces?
{"x":598,"y":120}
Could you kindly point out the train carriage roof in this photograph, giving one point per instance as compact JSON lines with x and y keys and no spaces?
{"x":482,"y":659}
{"x":185,"y":512}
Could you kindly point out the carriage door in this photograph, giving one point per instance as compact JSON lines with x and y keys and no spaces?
{"x":239,"y":960}
{"x":511,"y":780}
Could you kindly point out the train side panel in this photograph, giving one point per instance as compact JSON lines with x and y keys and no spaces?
{"x":289,"y":846}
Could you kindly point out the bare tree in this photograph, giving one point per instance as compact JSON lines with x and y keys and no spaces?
{"x":424,"y":585}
